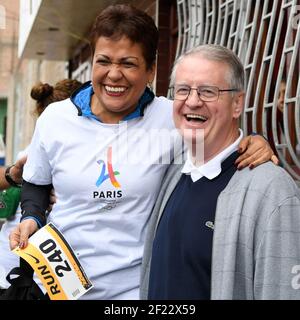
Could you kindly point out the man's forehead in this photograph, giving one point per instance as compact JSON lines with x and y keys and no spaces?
{"x":200,"y":59}
{"x":200,"y":67}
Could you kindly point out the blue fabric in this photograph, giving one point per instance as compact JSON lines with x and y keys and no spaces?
{"x":182,"y":248}
{"x":145,"y":99}
{"x":82,"y":100}
{"x":38,"y":222}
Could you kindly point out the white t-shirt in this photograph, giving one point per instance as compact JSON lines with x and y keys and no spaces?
{"x":106,"y":187}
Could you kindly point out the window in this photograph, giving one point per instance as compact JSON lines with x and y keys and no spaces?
{"x":266,"y":36}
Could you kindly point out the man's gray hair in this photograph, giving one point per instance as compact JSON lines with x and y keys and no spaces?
{"x":213,"y":52}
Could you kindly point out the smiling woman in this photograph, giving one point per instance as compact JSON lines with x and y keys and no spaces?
{"x":103,"y":201}
{"x":119,"y":78}
{"x":101,"y":208}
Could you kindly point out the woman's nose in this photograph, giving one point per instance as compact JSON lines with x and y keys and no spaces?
{"x":115,"y":71}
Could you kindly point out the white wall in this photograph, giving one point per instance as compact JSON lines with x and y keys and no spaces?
{"x":28,"y":13}
{"x":2,"y":17}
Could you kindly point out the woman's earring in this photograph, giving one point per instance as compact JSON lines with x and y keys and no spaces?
{"x":150,"y":85}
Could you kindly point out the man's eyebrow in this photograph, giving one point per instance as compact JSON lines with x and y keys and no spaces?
{"x":181,"y":84}
{"x":200,"y":85}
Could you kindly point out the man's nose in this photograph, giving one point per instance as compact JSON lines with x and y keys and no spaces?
{"x":193,"y":100}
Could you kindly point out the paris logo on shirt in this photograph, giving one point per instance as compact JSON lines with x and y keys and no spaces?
{"x":111,"y":173}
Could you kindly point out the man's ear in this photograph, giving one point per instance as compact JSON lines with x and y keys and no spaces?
{"x":238,"y":104}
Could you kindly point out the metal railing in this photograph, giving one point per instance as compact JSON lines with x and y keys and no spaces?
{"x":265,"y":34}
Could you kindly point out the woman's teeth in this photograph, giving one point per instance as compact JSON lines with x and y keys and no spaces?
{"x":115,"y":89}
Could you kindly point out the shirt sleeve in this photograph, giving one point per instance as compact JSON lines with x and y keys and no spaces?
{"x":37,"y":169}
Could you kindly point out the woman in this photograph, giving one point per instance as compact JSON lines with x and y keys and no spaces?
{"x":92,"y":149}
{"x":43,"y":94}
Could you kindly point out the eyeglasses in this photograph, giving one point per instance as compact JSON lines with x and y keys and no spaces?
{"x":205,"y":93}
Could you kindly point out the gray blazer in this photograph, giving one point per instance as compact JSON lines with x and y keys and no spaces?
{"x":256,"y":243}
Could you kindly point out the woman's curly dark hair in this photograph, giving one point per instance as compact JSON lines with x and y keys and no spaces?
{"x":44,"y":93}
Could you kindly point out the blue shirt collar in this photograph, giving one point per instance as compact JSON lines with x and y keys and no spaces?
{"x":81,"y":98}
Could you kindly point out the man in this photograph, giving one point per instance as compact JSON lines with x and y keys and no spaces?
{"x":219,"y":233}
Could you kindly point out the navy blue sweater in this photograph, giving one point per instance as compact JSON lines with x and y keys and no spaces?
{"x":182,"y":248}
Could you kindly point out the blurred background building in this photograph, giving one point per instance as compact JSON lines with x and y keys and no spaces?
{"x":46,"y":40}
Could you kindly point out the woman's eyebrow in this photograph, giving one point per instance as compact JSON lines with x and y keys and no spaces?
{"x":102,"y":56}
{"x":121,"y":59}
{"x":129,"y":57}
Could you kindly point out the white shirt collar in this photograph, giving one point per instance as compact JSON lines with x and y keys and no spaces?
{"x":212,"y":168}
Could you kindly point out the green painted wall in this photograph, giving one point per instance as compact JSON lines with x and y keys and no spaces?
{"x":3,"y":113}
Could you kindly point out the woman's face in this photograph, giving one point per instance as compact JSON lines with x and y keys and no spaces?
{"x":280,"y":103}
{"x":119,"y":78}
